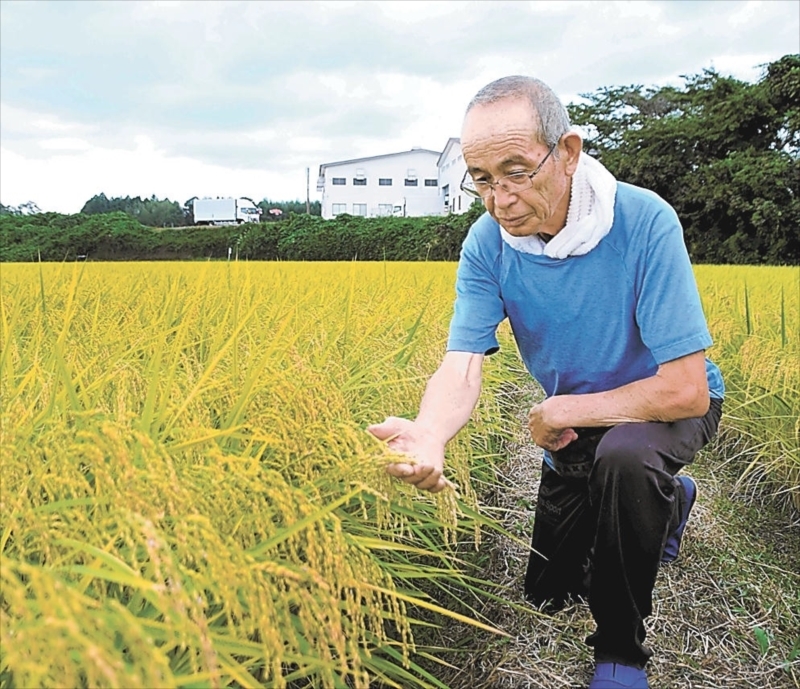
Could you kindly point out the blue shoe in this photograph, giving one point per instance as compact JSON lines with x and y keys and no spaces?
{"x":618,"y":676}
{"x":673,"y":543}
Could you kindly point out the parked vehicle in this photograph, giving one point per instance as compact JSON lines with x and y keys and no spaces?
{"x":224,"y":211}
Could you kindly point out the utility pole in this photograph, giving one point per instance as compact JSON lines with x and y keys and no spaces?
{"x":308,"y":197}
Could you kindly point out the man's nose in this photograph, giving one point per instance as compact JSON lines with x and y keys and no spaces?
{"x":501,"y":197}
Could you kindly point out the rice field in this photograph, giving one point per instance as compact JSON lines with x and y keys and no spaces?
{"x":189,"y":497}
{"x":753,"y":313}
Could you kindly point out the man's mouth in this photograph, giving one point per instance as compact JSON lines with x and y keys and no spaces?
{"x":513,"y":222}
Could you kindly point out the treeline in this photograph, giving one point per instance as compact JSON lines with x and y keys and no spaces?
{"x":724,"y":153}
{"x":118,"y":237}
{"x":155,"y":212}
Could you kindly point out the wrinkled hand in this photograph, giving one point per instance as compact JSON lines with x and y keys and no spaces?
{"x":545,"y":431}
{"x":405,"y":437}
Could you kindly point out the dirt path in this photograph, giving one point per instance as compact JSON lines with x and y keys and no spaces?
{"x":726,"y":614}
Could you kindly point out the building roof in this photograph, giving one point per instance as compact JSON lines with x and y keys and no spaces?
{"x":452,"y":141}
{"x":385,"y":155}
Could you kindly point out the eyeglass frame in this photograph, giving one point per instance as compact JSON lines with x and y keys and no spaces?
{"x":474,"y":192}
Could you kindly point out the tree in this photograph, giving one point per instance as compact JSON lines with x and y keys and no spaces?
{"x":27,"y":208}
{"x":153,"y":212}
{"x":723,"y":152}
{"x":97,"y":204}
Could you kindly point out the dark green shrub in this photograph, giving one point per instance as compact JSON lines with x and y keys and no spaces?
{"x":119,"y":237}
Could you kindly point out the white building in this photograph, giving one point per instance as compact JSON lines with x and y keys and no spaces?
{"x":410,"y":183}
{"x":451,"y":171}
{"x":405,"y":184}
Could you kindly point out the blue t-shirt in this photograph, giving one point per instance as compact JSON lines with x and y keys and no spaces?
{"x":587,"y":323}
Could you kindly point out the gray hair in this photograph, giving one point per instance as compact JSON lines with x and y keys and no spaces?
{"x":550,"y":111}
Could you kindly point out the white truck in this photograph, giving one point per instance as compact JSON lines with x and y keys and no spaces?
{"x":224,"y":211}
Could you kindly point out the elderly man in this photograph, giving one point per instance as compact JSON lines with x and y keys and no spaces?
{"x":595,"y":280}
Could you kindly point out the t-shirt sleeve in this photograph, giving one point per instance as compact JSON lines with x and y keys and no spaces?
{"x":669,"y":311}
{"x":478,"y":307}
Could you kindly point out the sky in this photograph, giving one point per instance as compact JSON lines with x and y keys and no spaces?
{"x":180,"y":98}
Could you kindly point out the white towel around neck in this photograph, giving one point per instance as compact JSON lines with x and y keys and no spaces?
{"x":589,"y":217}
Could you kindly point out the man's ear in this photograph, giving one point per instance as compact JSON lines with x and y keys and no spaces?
{"x":570,"y":147}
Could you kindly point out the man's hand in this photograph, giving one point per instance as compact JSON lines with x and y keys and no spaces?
{"x":546,"y":430}
{"x":406,"y":437}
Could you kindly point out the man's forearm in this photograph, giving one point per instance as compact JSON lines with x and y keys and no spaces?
{"x":450,"y":396}
{"x":678,"y":391}
{"x":636,"y":402}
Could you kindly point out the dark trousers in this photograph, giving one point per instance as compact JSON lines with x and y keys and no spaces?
{"x":602,"y":519}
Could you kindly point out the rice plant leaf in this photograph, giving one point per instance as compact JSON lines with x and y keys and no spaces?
{"x":290,"y":531}
{"x":435,"y":608}
{"x":212,"y":365}
{"x":203,"y":439}
{"x":747,"y":316}
{"x":116,"y":576}
{"x":396,"y":671}
{"x":66,"y":378}
{"x":66,"y":504}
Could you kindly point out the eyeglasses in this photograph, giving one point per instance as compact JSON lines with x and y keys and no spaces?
{"x":511,"y":184}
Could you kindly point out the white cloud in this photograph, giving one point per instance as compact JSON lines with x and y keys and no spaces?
{"x":260,"y":136}
{"x":66,"y":143}
{"x":304,"y":144}
{"x":745,"y":14}
{"x":17,"y":121}
{"x":412,"y":12}
{"x":746,"y":67}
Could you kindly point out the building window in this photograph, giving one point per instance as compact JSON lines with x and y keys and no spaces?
{"x":337,"y":181}
{"x":411,"y":182}
{"x":337,"y":208}
{"x":359,"y":181}
{"x":446,"y":194}
{"x":385,"y":182}
{"x":431,"y":183}
{"x":360,"y":209}
{"x":384,"y":209}
{"x":459,"y":202}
